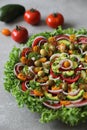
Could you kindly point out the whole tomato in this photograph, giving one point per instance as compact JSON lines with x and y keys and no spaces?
{"x":54,"y":20}
{"x":20,"y":34}
{"x":32,"y":16}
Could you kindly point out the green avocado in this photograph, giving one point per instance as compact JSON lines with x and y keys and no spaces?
{"x":83,"y":74}
{"x":10,"y":12}
{"x":66,"y":42}
{"x":75,"y":64}
{"x":50,"y":97}
{"x":68,"y":73}
{"x":76,"y":96}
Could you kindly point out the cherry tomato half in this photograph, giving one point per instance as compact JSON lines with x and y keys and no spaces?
{"x":54,"y":20}
{"x":71,"y":80}
{"x":32,"y":16}
{"x":24,"y":86}
{"x":19,"y":34}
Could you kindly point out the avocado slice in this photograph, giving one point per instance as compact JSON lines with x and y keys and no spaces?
{"x":66,"y":42}
{"x":83,"y":74}
{"x":75,"y":64}
{"x":68,"y":73}
{"x":50,"y":97}
{"x":76,"y":96}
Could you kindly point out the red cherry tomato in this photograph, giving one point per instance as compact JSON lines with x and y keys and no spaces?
{"x":54,"y":20}
{"x":19,"y":34}
{"x":32,"y":16}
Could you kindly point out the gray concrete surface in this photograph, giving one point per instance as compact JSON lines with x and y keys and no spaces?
{"x":12,"y":117}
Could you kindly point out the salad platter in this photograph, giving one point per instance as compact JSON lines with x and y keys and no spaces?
{"x":49,"y":75}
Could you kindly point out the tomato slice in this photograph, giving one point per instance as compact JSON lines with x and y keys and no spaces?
{"x":24,"y":86}
{"x":71,"y":80}
{"x":39,"y":40}
{"x":25,"y":52}
{"x":59,"y":37}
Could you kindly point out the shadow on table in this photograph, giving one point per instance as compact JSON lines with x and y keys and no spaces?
{"x":65,"y":26}
{"x":58,"y":125}
{"x":16,"y":21}
{"x":69,"y":25}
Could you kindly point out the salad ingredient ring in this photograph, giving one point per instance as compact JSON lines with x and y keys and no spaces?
{"x":49,"y":75}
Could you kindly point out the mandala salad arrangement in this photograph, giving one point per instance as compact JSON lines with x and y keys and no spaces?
{"x":49,"y":75}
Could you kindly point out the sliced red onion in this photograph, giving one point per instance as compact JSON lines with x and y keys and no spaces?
{"x":70,"y":106}
{"x":62,"y":36}
{"x":26,"y":84}
{"x":17,"y":68}
{"x":77,"y":101}
{"x":54,"y":56}
{"x":37,"y":41}
{"x":31,"y":69}
{"x":44,"y":84}
{"x":66,"y":93}
{"x":57,"y":106}
{"x":39,"y":37}
{"x":42,"y":41}
{"x":82,"y":39}
{"x":55,"y":91}
{"x":28,"y":50}
{"x":73,"y":93}
{"x":82,"y":103}
{"x":61,"y":64}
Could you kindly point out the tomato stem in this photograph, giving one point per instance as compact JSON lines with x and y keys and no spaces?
{"x":55,"y":14}
{"x":32,"y":10}
{"x":17,"y":27}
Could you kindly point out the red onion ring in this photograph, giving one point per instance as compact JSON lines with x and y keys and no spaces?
{"x":17,"y":68}
{"x":55,"y":91}
{"x":51,"y":106}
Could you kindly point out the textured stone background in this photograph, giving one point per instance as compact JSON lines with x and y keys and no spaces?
{"x":12,"y":117}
